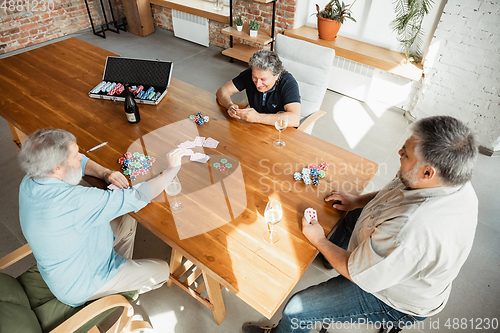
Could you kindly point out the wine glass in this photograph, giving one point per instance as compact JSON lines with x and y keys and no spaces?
{"x":273,"y":215}
{"x":173,"y":188}
{"x":280,"y":124}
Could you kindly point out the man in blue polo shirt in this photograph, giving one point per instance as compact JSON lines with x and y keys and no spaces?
{"x":269,"y":88}
{"x":82,"y":237}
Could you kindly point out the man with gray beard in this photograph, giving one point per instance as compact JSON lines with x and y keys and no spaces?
{"x":82,"y":237}
{"x":399,"y":249}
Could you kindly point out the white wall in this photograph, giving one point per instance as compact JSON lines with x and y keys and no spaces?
{"x":462,"y":69}
{"x":373,"y":21}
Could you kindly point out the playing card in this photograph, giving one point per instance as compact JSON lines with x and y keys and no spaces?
{"x":113,"y":187}
{"x":199,"y":157}
{"x":210,"y":143}
{"x":190,"y":151}
{"x":187,"y":144}
{"x":198,"y":141}
{"x":310,"y":214}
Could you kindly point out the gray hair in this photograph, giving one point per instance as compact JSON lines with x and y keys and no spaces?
{"x":448,"y":145}
{"x":44,"y":150}
{"x":266,"y":60}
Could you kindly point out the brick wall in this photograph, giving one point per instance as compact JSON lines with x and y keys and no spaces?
{"x":462,"y":69}
{"x":24,"y":24}
{"x":285,"y":17}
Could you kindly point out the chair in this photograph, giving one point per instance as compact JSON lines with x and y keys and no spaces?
{"x":27,"y":305}
{"x":311,"y":66}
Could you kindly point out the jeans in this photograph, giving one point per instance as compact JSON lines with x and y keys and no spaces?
{"x":338,"y":302}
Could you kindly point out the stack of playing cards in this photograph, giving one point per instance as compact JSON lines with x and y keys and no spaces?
{"x":199,"y":141}
{"x":310,"y":214}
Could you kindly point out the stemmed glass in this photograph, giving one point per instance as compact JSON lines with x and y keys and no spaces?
{"x":280,"y":124}
{"x":173,"y":188}
{"x":273,"y":215}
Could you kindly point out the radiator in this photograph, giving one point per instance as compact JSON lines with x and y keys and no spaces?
{"x":190,"y":27}
{"x":351,"y":78}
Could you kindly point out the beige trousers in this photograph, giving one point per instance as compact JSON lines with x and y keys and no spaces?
{"x":141,"y":274}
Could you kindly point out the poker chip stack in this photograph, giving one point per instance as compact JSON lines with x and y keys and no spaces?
{"x":135,"y":164}
{"x":199,"y":118}
{"x":222,"y":165}
{"x":312,"y":174}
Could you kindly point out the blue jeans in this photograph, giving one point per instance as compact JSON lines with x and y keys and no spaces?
{"x":338,"y":302}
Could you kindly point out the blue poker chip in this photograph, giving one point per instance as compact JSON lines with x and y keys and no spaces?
{"x":200,"y":121}
{"x":314,"y":172}
{"x":307,"y":181}
{"x":297,"y":176}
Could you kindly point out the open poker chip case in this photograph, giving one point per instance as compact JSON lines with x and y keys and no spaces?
{"x":136,"y":72}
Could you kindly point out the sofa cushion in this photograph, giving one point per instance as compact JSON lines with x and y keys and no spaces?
{"x":15,"y":312}
{"x":35,"y":287}
{"x":52,"y":313}
{"x":11,"y":291}
{"x":15,"y":318}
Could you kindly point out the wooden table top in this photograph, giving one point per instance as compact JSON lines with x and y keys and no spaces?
{"x":48,"y":87}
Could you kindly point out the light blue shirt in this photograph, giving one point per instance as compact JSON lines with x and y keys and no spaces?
{"x":68,"y":229}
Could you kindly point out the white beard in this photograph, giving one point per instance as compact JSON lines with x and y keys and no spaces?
{"x":73,"y":175}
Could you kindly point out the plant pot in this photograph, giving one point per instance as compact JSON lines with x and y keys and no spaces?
{"x":239,"y":27}
{"x":253,"y":33}
{"x":327,"y":29}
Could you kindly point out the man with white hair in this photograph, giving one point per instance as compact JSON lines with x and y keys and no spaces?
{"x":82,"y":237}
{"x":399,"y":249}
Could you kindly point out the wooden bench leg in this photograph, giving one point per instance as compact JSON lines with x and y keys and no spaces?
{"x":215,"y":297}
{"x":175,"y":264}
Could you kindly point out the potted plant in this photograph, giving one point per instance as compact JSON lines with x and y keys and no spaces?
{"x":238,"y":20}
{"x":331,"y":18}
{"x":408,"y":26}
{"x":253,"y":26}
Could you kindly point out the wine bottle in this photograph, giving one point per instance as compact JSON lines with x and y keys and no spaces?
{"x":131,"y":108}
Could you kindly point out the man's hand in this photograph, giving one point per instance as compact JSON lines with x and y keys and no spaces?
{"x":250,"y":115}
{"x":343,"y":201}
{"x":116,"y":178}
{"x":174,"y":158}
{"x":313,"y":231}
{"x":233,"y":111}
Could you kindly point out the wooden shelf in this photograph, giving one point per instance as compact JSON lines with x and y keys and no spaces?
{"x":241,"y":52}
{"x":364,"y":53}
{"x":200,"y":8}
{"x":262,"y":38}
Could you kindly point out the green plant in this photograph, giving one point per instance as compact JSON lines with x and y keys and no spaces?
{"x":336,"y":11}
{"x":408,"y":25}
{"x":253,"y":25}
{"x":238,"y":19}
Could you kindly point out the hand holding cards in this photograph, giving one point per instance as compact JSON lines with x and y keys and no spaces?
{"x":310,"y":214}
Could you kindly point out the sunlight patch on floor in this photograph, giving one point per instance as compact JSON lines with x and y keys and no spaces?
{"x":352,"y":119}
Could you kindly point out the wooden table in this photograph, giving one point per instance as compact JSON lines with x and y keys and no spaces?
{"x":48,"y":87}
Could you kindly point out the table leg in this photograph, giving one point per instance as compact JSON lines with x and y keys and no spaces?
{"x":215,"y":297}
{"x":17,"y":136}
{"x":175,"y":264}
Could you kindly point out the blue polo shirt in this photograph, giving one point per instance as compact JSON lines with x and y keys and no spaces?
{"x":68,"y":229}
